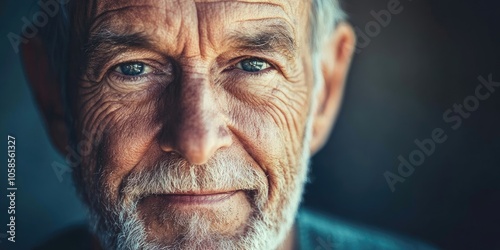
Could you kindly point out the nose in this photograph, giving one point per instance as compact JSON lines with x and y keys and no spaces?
{"x":200,"y":128}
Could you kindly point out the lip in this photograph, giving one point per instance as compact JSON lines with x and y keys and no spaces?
{"x":196,"y":198}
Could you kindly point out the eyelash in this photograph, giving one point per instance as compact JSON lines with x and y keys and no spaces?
{"x":257,"y":73}
{"x":116,"y":76}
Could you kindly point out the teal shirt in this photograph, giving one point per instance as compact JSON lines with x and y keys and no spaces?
{"x":319,"y":232}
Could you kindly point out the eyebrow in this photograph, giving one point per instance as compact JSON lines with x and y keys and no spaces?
{"x":273,"y":39}
{"x":105,"y":44}
{"x":102,"y":46}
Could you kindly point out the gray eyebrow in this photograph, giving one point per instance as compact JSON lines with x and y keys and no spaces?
{"x":102,"y":46}
{"x":105,"y":44}
{"x":273,"y":39}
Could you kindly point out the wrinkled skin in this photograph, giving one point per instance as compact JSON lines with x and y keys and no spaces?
{"x":194,"y":104}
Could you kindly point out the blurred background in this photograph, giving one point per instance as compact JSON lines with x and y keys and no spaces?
{"x":407,"y":72}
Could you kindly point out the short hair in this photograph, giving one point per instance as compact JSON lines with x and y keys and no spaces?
{"x":323,"y":18}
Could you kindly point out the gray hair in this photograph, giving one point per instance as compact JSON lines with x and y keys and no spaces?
{"x":323,"y":18}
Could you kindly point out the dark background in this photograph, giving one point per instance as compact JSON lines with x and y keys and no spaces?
{"x":426,"y":59}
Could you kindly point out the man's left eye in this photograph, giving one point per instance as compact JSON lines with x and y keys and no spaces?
{"x":253,"y":65}
{"x":133,"y":69}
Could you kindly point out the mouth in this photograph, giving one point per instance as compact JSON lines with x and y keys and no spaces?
{"x":219,"y":211}
{"x":193,"y":198}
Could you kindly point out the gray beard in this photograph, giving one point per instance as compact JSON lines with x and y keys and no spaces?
{"x":258,"y":235}
{"x":120,"y":227}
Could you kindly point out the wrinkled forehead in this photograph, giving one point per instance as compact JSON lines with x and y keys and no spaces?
{"x":288,"y":6}
{"x":174,"y":13}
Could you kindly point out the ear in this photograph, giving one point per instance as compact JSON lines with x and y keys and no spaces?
{"x":336,"y":59}
{"x":46,"y":90}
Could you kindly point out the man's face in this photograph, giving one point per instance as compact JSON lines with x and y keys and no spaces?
{"x":198,"y":111}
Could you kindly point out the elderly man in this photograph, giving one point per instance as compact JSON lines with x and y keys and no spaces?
{"x":202,"y":116}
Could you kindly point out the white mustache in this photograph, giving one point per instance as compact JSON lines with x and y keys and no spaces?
{"x":175,"y":175}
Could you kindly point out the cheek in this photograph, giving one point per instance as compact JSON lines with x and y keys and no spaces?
{"x":270,"y":115}
{"x":122,"y":129}
{"x":270,"y":124}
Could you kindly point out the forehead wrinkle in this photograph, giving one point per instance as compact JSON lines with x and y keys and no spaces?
{"x":109,"y":7}
{"x":255,"y":5}
{"x":281,"y":22}
{"x":242,"y":17}
{"x":100,"y":19}
{"x":262,"y":11}
{"x":115,"y":4}
{"x":160,"y":26}
{"x":274,"y":3}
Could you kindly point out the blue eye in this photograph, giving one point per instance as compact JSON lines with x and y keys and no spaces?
{"x":133,"y":69}
{"x":253,"y":65}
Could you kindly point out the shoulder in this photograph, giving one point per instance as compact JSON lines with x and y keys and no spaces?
{"x":76,"y":237}
{"x":320,"y":232}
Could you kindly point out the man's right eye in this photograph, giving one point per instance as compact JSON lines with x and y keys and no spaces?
{"x":133,"y":69}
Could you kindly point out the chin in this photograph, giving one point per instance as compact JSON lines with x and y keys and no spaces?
{"x":192,"y":230}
